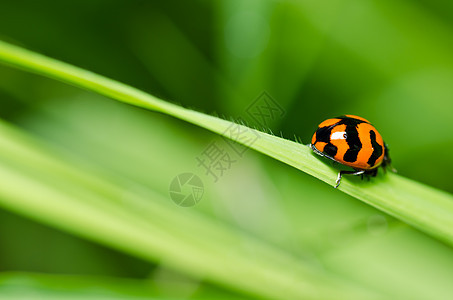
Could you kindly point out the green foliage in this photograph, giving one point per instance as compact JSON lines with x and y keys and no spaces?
{"x":424,"y":207}
{"x":100,"y":169}
{"x":40,"y":286}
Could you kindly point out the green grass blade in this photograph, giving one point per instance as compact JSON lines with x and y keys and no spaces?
{"x":426,"y":208}
{"x":31,"y":286}
{"x":36,"y":183}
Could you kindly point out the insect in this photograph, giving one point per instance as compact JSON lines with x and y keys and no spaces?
{"x":351,"y":141}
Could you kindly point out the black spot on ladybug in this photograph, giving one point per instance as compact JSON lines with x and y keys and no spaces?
{"x":377,"y":149}
{"x":323,"y":134}
{"x":354,"y":143}
{"x":330,"y":150}
{"x":349,"y":121}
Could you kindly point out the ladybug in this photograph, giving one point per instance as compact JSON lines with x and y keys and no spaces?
{"x":351,"y":141}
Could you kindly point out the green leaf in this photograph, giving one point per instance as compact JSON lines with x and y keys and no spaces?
{"x":426,"y":208}
{"x":16,"y":285}
{"x":39,"y":184}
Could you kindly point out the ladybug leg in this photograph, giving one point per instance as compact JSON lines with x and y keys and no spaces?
{"x":341,"y":173}
{"x":370,"y":173}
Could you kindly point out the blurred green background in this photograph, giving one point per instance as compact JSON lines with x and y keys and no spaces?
{"x":388,"y":61}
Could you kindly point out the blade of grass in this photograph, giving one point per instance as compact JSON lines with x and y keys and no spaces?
{"x":426,"y":208}
{"x":37,"y":184}
{"x":288,"y":217}
{"x":18,"y":285}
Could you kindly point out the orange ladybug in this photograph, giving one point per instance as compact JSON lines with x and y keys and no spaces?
{"x":351,"y":141}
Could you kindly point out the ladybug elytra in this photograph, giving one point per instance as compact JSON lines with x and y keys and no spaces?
{"x":351,"y":141}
